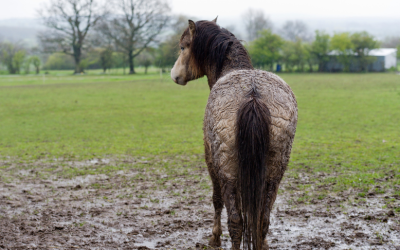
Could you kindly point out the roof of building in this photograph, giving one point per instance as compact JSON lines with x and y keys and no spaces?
{"x":373,"y":52}
{"x":382,"y":52}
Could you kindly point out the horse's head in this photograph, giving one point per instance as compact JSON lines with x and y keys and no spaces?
{"x":185,"y":68}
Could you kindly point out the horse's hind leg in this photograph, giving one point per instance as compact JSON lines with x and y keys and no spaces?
{"x":272,"y":191}
{"x":235,"y":221}
{"x":215,"y":240}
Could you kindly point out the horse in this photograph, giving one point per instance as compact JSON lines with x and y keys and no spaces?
{"x":249,"y":127}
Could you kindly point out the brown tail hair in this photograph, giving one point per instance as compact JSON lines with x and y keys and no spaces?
{"x":253,"y":139}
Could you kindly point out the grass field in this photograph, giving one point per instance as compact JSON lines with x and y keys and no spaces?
{"x":347,"y":139}
{"x":347,"y":122}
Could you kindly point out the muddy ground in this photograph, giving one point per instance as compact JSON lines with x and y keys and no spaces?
{"x":144,"y":207}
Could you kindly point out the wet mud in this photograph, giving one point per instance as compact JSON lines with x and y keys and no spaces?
{"x":139,"y":209}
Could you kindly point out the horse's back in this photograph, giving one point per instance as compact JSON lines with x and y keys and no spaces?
{"x":225,"y":99}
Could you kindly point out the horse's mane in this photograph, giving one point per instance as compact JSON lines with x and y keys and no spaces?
{"x":211,"y":45}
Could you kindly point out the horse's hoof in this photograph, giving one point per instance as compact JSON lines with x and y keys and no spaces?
{"x":215,"y":241}
{"x":265,"y":245}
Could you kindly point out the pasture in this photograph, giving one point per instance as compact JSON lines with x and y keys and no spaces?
{"x":116,"y":162}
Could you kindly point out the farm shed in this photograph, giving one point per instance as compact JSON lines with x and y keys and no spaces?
{"x":385,"y":58}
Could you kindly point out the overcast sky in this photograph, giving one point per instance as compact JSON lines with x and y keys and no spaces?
{"x":276,"y":9}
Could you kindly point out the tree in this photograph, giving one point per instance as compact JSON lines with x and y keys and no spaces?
{"x":288,"y":56}
{"x":342,"y":45}
{"x":294,"y":54}
{"x":320,"y":48}
{"x":120,"y":60}
{"x":59,"y":61}
{"x":69,"y":22}
{"x":36,"y":63}
{"x":392,"y":42}
{"x":265,"y":50}
{"x":146,"y":58}
{"x":255,"y":21}
{"x":293,"y":30}
{"x":106,"y":58}
{"x":136,"y":25}
{"x":167,"y":51}
{"x":398,"y":51}
{"x":362,"y":44}
{"x":310,"y":59}
{"x":12,"y":55}
{"x":300,"y":53}
{"x":27,"y":65}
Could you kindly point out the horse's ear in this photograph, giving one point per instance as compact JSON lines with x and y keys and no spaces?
{"x":192,"y":28}
{"x":215,"y":20}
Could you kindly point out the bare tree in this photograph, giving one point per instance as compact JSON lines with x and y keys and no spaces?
{"x":69,"y":22}
{"x":136,"y":24}
{"x":293,"y":30}
{"x":255,"y":21}
{"x":391,"y":42}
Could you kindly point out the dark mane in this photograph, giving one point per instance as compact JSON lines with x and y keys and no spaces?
{"x":211,"y":46}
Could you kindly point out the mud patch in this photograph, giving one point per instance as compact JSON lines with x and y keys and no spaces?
{"x":144,"y":204}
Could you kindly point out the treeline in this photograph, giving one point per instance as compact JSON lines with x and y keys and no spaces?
{"x":293,"y":48}
{"x":83,"y":34}
{"x":298,"y":55}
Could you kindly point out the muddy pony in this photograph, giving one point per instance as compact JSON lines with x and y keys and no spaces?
{"x":249,"y":127}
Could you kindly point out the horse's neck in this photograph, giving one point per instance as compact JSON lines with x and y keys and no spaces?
{"x":212,"y":79}
{"x":236,"y":59}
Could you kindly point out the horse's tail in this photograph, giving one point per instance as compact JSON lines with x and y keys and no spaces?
{"x":252,"y":140}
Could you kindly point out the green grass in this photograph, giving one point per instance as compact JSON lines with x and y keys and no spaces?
{"x":348,"y":124}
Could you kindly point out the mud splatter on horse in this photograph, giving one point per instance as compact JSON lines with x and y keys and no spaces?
{"x":249,"y":127}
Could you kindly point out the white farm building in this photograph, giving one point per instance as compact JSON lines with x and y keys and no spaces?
{"x":386,"y":58}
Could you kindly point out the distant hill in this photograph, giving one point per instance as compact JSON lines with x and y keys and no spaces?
{"x":379,"y":27}
{"x":22,"y":30}
{"x":25,"y":29}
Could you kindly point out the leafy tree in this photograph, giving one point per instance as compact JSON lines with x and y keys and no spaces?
{"x":319,"y":48}
{"x":310,"y":59}
{"x":146,"y":58}
{"x":295,"y":54}
{"x":12,"y":55}
{"x":35,"y":60}
{"x":342,"y":44}
{"x":135,"y":26}
{"x":106,"y":58}
{"x":265,"y":50}
{"x":59,"y":61}
{"x":398,"y":51}
{"x":300,"y":53}
{"x":288,"y":55}
{"x":27,"y":65}
{"x":120,"y":60}
{"x":69,"y":22}
{"x":362,"y":44}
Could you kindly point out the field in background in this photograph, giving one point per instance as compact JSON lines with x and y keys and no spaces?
{"x":349,"y":121}
{"x":347,"y":142}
